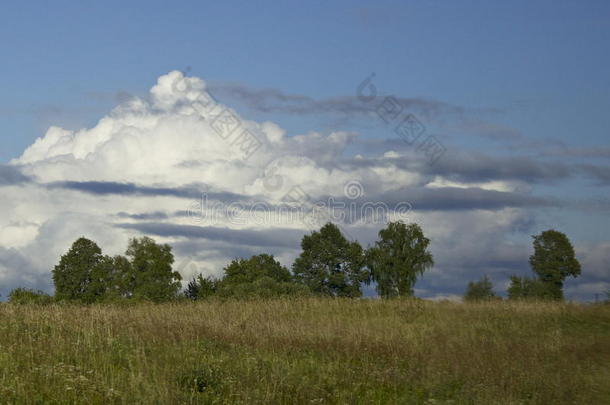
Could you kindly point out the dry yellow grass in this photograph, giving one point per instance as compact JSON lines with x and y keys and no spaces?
{"x":306,"y":351}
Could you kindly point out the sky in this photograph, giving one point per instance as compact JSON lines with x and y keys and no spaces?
{"x":229,"y":129}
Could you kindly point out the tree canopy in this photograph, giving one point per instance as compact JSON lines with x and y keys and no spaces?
{"x":81,"y":272}
{"x":200,"y":288}
{"x":527,"y":288}
{"x":151,"y":275}
{"x":397,"y":258}
{"x":480,"y":290}
{"x":86,"y":275}
{"x":261,"y":276}
{"x":554,"y":260}
{"x":248,"y":270}
{"x":330,"y":264}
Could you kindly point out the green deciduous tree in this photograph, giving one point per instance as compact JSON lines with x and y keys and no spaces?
{"x":28,"y":296}
{"x":122,"y":280}
{"x":200,"y":288}
{"x":81,"y":273}
{"x":397,"y":258}
{"x":84,"y":274}
{"x":330,"y":264}
{"x":554,"y":260}
{"x":248,"y":270}
{"x":527,"y":288}
{"x":480,"y":290}
{"x":261,"y":276}
{"x":151,"y":276}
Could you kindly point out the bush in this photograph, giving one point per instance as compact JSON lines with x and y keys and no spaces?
{"x":480,"y":290}
{"x":200,"y":288}
{"x":528,"y":289}
{"x":29,"y":296}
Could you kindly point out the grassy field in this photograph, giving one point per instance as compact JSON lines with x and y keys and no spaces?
{"x":306,"y":352}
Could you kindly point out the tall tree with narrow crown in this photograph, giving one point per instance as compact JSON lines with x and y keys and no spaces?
{"x":397,"y":258}
{"x":151,"y":267}
{"x":554,"y":260}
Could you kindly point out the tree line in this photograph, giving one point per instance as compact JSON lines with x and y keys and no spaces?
{"x":328,"y":265}
{"x":552,"y":262}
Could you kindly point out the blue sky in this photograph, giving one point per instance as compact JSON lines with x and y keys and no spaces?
{"x":529,"y":79}
{"x":538,"y":61}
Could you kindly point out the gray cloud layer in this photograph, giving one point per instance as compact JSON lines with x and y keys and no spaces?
{"x":453,"y":198}
{"x":114,"y":188}
{"x":276,"y":101}
{"x":278,"y":237}
{"x":10,"y":175}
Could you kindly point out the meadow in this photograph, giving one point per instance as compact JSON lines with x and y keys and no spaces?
{"x":306,"y":351}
